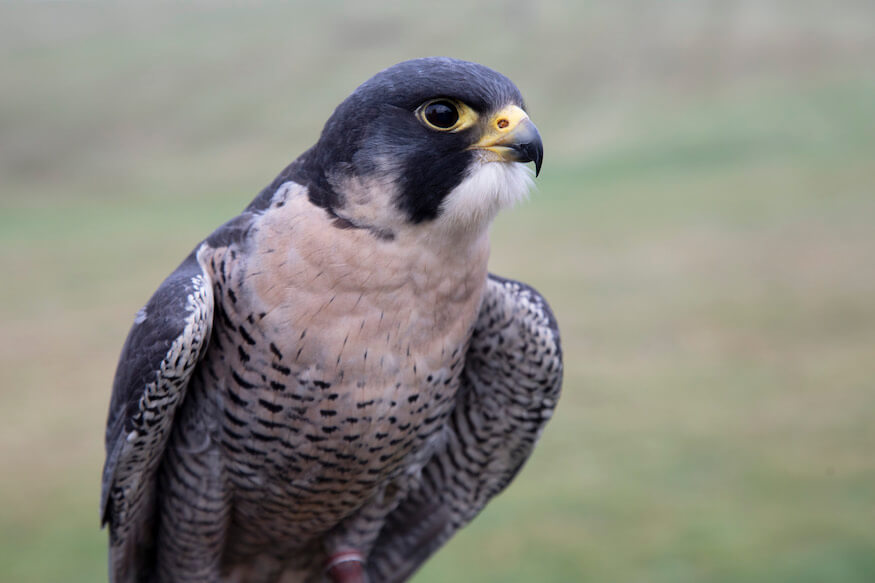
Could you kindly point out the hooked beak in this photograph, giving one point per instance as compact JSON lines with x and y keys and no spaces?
{"x":510,"y":136}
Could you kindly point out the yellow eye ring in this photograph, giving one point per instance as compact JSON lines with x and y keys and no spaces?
{"x":445,"y":115}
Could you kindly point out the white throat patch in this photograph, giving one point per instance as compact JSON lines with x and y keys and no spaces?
{"x":488,"y":188}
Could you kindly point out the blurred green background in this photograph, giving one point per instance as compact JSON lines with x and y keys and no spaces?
{"x":704,"y":226}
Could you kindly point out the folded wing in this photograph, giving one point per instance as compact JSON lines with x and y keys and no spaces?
{"x":167,"y":339}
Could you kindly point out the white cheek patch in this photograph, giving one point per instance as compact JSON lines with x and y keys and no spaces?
{"x":489,"y":188}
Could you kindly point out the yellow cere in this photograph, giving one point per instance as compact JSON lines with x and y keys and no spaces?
{"x":502,"y":123}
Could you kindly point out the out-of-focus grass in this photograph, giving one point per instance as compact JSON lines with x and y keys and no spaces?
{"x":702,"y":226}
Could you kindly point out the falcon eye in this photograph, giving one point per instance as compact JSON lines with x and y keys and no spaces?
{"x":446,"y":115}
{"x":441,"y":114}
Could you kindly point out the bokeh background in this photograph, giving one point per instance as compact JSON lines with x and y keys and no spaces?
{"x":704,"y":227}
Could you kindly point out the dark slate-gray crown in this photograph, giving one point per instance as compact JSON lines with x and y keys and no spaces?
{"x":409,"y":83}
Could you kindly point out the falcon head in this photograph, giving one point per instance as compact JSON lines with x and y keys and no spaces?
{"x":427,"y":141}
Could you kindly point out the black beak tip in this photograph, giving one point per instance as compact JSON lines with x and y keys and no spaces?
{"x":539,"y":158}
{"x":532,"y":152}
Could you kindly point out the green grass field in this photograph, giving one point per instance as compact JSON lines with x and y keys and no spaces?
{"x":704,"y":227}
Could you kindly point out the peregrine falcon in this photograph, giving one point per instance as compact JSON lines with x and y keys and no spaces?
{"x":331,"y":384}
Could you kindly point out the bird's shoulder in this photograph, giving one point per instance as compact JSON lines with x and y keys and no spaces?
{"x":516,"y":333}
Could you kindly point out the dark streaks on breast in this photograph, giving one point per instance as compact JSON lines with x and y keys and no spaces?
{"x":237,"y":379}
{"x":283,"y":370}
{"x":245,"y":335}
{"x":272,"y":407}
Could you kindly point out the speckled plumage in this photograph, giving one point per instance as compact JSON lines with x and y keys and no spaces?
{"x":331,"y":372}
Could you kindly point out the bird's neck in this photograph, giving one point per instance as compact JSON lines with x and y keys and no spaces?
{"x":419,"y":288}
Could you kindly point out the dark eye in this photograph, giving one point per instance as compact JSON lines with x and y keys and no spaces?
{"x":441,"y":114}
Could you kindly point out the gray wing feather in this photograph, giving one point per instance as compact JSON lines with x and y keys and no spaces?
{"x":167,"y":339}
{"x":510,"y":385}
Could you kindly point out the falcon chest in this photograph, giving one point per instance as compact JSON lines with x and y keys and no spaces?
{"x":346,"y":353}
